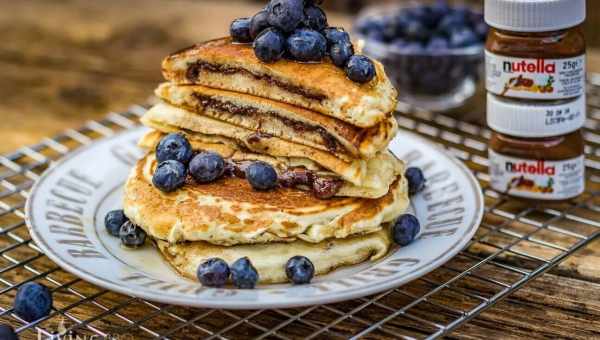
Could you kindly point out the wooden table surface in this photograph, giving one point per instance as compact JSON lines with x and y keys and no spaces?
{"x":66,"y":62}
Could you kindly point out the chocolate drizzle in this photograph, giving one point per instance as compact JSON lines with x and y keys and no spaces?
{"x":194,"y":69}
{"x":331,"y":143}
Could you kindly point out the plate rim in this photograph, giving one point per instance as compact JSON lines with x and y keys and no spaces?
{"x":256,"y":304}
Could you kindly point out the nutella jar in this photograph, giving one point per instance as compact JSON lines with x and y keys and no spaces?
{"x":535,"y":49}
{"x":537,"y":150}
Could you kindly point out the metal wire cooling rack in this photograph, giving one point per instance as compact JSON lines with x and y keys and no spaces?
{"x":514,"y":244}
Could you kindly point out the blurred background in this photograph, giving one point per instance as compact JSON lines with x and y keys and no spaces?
{"x":65,"y":62}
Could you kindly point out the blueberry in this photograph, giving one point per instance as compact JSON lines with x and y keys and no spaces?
{"x":312,"y":2}
{"x":360,"y":69}
{"x":416,"y":31}
{"x":206,"y":167}
{"x":114,"y":220}
{"x":436,"y":44}
{"x":240,"y":30}
{"x":261,"y":176}
{"x":306,"y":45}
{"x":315,"y":18}
{"x":336,"y":35}
{"x":481,"y":29}
{"x":243,"y":274}
{"x":8,"y":333}
{"x":269,"y":46}
{"x":169,"y":176}
{"x":463,"y":37}
{"x":131,"y":235}
{"x":369,"y":24}
{"x":416,"y":180}
{"x":299,"y":270}
{"x":258,"y":23}
{"x":285,"y":14}
{"x":174,"y":146}
{"x":33,"y":301}
{"x":405,"y":229}
{"x":213,"y":272}
{"x":341,"y":53}
{"x":440,"y":9}
{"x":451,"y":22}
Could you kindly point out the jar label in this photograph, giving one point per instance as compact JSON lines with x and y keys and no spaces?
{"x":538,"y":179}
{"x":535,"y":78}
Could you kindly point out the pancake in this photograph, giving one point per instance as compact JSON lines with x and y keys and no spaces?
{"x":270,"y":259}
{"x":321,"y":87}
{"x":382,"y":169}
{"x":167,"y":118}
{"x":228,"y":211}
{"x":282,"y":120}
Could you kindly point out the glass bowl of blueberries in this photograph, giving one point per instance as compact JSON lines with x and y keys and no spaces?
{"x":432,"y":51}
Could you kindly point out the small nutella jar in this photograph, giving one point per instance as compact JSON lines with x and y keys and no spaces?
{"x":535,"y":49}
{"x":537,"y":150}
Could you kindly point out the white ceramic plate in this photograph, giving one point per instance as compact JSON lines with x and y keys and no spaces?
{"x":66,"y":208}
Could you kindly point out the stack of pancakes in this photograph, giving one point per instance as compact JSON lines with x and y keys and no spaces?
{"x":325,"y":135}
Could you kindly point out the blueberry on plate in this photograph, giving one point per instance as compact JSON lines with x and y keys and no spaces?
{"x":169,"y":176}
{"x":131,"y":235}
{"x":463,"y":37}
{"x":405,"y":229}
{"x":341,"y":53}
{"x":243,"y":274}
{"x":336,"y":35}
{"x":240,"y":30}
{"x":307,"y":45}
{"x":315,"y":18}
{"x":259,"y":23}
{"x":269,"y":46}
{"x":299,"y":270}
{"x":174,"y":146}
{"x":261,"y":176}
{"x":206,"y":167}
{"x":416,"y":180}
{"x":33,"y":301}
{"x":360,"y":69}
{"x":285,"y":14}
{"x":114,"y":220}
{"x":8,"y":333}
{"x":213,"y":272}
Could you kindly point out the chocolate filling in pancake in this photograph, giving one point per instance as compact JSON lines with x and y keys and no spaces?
{"x":193,"y":71}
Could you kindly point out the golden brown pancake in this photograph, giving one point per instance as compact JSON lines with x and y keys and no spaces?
{"x":270,"y":259}
{"x":228,"y":211}
{"x":282,"y":120}
{"x":322,"y":87}
{"x":382,"y":170}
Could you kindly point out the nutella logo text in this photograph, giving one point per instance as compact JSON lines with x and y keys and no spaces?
{"x":534,"y":66}
{"x":537,"y":168}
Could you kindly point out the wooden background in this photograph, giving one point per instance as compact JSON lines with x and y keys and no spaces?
{"x":66,"y":62}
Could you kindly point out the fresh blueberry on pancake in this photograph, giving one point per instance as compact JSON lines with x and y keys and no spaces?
{"x":416,"y":180}
{"x":315,"y":18}
{"x":131,"y":235}
{"x":213,"y":272}
{"x":240,"y":30}
{"x":206,"y":167}
{"x":269,"y":46}
{"x":8,"y":333}
{"x":261,"y":176}
{"x":340,"y":53}
{"x":114,"y":220}
{"x":360,"y":69}
{"x":33,"y":301}
{"x":285,"y":14}
{"x":299,"y":270}
{"x":307,"y":45}
{"x":336,"y":35}
{"x":243,"y":274}
{"x":174,"y":146}
{"x":259,"y":23}
{"x":169,"y":176}
{"x":405,"y":229}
